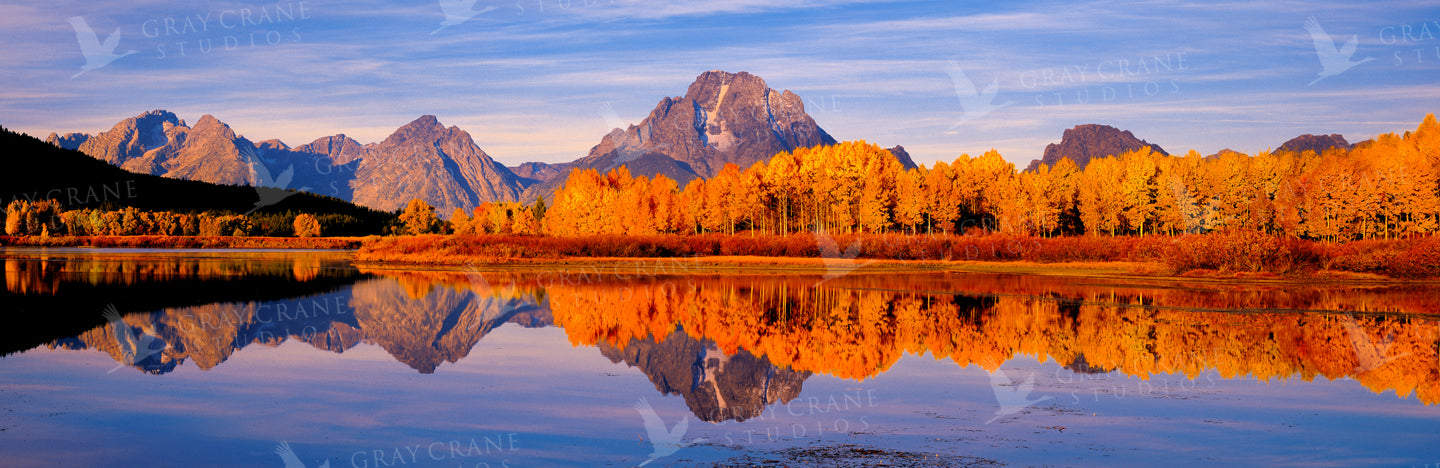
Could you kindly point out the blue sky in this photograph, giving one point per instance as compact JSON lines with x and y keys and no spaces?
{"x":528,"y":79}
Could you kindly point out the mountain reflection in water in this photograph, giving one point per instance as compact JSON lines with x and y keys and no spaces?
{"x":733,"y":344}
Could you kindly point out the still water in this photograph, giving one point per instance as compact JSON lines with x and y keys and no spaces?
{"x":283,"y":359}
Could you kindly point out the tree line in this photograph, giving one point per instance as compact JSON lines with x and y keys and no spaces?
{"x":49,"y":218}
{"x":1385,"y":188}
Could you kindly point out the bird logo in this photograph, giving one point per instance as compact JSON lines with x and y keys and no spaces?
{"x":96,"y":54}
{"x":1368,"y":355}
{"x":626,"y":149}
{"x":458,"y":11}
{"x":665,"y":440}
{"x":1011,"y":396}
{"x":271,"y":190}
{"x":287,"y":455}
{"x":837,"y":264}
{"x":974,"y":103}
{"x":135,"y":345}
{"x":611,"y":118}
{"x":1333,"y":61}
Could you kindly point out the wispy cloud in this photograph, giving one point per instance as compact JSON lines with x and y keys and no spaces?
{"x":525,"y":81}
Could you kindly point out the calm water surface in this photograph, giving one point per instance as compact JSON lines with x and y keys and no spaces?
{"x":252,"y":358}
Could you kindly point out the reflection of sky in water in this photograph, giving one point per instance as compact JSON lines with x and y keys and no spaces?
{"x":569,"y":405}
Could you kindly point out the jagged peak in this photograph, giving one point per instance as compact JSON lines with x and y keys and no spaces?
{"x":706,"y":88}
{"x":158,"y":113}
{"x":208,"y":119}
{"x":425,"y":122}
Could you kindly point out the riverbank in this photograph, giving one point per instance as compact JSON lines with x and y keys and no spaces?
{"x":187,"y":242}
{"x":1224,"y":257}
{"x":1240,"y":255}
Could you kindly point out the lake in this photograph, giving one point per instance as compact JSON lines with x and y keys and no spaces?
{"x":301,"y":358}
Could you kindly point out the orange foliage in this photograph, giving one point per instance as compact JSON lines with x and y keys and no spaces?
{"x":858,"y":326}
{"x":1387,"y":188}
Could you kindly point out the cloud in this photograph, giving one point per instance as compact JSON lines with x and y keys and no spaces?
{"x":525,"y":83}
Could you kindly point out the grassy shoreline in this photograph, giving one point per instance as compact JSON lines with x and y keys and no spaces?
{"x":625,"y":267}
{"x":1074,"y":257}
{"x":1237,"y":255}
{"x":187,"y":242}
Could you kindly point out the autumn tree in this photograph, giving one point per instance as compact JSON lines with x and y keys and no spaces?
{"x":419,"y":218}
{"x":27,"y":218}
{"x":306,"y":226}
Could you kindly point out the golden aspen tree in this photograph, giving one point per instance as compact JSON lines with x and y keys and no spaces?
{"x":910,"y":198}
{"x":941,"y":207}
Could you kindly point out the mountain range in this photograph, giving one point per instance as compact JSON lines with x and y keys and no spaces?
{"x":422,"y":159}
{"x":723,"y":118}
{"x":1083,"y":143}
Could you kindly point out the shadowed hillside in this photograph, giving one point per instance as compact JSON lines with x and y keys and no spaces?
{"x":37,"y":170}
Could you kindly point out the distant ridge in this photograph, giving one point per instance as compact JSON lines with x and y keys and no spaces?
{"x":1085,"y":142}
{"x":1316,"y":143}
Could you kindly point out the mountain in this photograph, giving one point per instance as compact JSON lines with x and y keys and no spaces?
{"x":538,"y":171}
{"x":716,"y":386}
{"x":723,"y":118}
{"x":1316,"y":143}
{"x":340,"y":149}
{"x":440,"y":165}
{"x":904,"y":157}
{"x":1086,"y":142}
{"x":1222,"y":153}
{"x":422,"y":159}
{"x":159,"y":143}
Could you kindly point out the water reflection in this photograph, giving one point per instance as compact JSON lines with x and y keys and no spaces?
{"x":732,"y":345}
{"x":859,"y":326}
{"x":66,"y":290}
